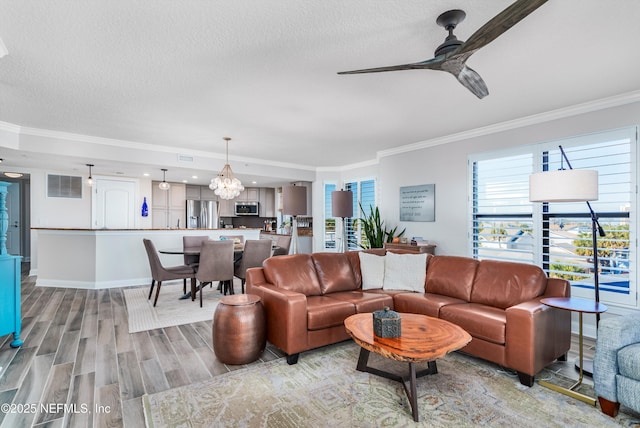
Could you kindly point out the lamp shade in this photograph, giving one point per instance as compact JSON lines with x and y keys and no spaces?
{"x":565,"y":185}
{"x":342,"y":203}
{"x":294,"y":200}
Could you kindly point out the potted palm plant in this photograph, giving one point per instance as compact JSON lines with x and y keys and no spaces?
{"x":374,"y":229}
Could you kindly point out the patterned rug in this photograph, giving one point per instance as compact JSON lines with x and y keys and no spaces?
{"x":324,"y":389}
{"x":169,"y":310}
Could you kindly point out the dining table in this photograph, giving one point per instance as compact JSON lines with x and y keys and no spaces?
{"x":195,"y":251}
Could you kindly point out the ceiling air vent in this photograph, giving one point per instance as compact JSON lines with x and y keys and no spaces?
{"x":185,"y":158}
{"x":64,"y":186}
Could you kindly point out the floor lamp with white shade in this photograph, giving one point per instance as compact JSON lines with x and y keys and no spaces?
{"x":342,"y":206}
{"x":571,"y":185}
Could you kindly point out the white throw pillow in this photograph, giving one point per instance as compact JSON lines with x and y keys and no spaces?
{"x":405,"y":272}
{"x":372,"y":269}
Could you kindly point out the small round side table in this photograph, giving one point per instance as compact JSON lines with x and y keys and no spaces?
{"x":574,"y":304}
{"x":239,"y":331}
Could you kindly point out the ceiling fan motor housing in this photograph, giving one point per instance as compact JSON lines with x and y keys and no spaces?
{"x":451,"y":43}
{"x":449,"y":20}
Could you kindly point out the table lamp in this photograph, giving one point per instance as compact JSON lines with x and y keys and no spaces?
{"x":294,"y":203}
{"x":342,"y":206}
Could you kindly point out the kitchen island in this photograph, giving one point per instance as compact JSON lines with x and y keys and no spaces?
{"x":107,"y":258}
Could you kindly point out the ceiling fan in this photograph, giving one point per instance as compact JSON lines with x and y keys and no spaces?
{"x":452,"y":55}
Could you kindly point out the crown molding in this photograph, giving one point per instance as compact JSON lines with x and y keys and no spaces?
{"x":588,"y":107}
{"x":349,"y":167}
{"x":59,"y":135}
{"x":10,"y":127}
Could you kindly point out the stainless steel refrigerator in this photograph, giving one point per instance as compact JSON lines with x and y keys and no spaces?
{"x":202,"y":214}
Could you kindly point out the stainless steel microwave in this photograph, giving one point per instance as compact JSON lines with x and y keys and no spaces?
{"x":246,"y":208}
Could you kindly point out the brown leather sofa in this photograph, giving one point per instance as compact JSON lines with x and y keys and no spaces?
{"x":308,"y":296}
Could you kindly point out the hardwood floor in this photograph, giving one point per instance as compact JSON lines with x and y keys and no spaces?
{"x":80,"y":367}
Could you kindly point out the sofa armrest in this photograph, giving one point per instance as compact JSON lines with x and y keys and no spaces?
{"x":557,"y":287}
{"x":536,"y":335}
{"x":286,"y":313}
{"x":613,"y":334}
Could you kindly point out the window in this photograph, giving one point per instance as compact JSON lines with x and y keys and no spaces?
{"x":364,"y":194}
{"x":502,"y":214}
{"x":329,"y":221}
{"x":557,"y":236}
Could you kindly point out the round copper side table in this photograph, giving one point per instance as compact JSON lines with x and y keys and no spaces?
{"x":239,"y":331}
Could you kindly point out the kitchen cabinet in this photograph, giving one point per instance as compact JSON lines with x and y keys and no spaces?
{"x":227,"y":208}
{"x":249,"y":194}
{"x":200,"y":193}
{"x":267,"y":201}
{"x":207,"y":194}
{"x":168,"y":219}
{"x":168,"y":206}
{"x":193,"y":193}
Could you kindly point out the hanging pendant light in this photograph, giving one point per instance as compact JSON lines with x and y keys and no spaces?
{"x":90,"y":178}
{"x":164,"y":185}
{"x":226,"y":185}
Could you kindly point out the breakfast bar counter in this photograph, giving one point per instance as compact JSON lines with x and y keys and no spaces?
{"x":107,"y":258}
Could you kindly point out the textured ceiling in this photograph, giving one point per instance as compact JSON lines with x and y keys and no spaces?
{"x":182,"y":74}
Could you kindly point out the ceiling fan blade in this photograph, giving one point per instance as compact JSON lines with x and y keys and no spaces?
{"x":433,"y":63}
{"x":498,"y":25}
{"x":471,"y":80}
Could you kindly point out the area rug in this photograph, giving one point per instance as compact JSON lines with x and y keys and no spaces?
{"x":324,"y":389}
{"x":169,"y":310}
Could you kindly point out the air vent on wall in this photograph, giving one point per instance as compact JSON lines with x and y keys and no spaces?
{"x":64,"y":186}
{"x":185,"y":158}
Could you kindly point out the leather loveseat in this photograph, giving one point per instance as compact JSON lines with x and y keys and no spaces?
{"x":308,"y":296}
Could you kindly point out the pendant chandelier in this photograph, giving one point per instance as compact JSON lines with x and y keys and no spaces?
{"x":90,"y":178}
{"x":226,"y":185}
{"x":163,"y":184}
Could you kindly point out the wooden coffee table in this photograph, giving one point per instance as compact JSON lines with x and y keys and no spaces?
{"x":424,"y":339}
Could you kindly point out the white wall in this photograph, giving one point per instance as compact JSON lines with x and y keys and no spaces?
{"x":69,"y":212}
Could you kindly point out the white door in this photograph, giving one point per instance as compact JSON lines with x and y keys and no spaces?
{"x":114,"y":204}
{"x":13,"y":208}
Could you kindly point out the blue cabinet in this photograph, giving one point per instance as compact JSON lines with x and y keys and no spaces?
{"x":10,"y":313}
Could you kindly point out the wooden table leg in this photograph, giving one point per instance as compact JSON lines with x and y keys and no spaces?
{"x":411,"y":390}
{"x":413,"y":397}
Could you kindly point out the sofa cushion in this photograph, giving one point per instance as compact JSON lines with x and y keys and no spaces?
{"x":295,"y":272}
{"x":371,"y":270}
{"x":325,"y":312}
{"x":422,"y":303}
{"x":364,"y":301}
{"x":405,"y":271}
{"x":451,"y":276}
{"x":334,"y":272}
{"x":480,"y":321}
{"x":629,"y":361}
{"x":504,"y":284}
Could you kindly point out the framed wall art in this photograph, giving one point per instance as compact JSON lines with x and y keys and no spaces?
{"x":418,"y":203}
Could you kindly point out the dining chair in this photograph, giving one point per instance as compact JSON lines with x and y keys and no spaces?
{"x":255,"y":252}
{"x":283,"y":242}
{"x":216,"y":264}
{"x":161,"y":273}
{"x":188,"y":243}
